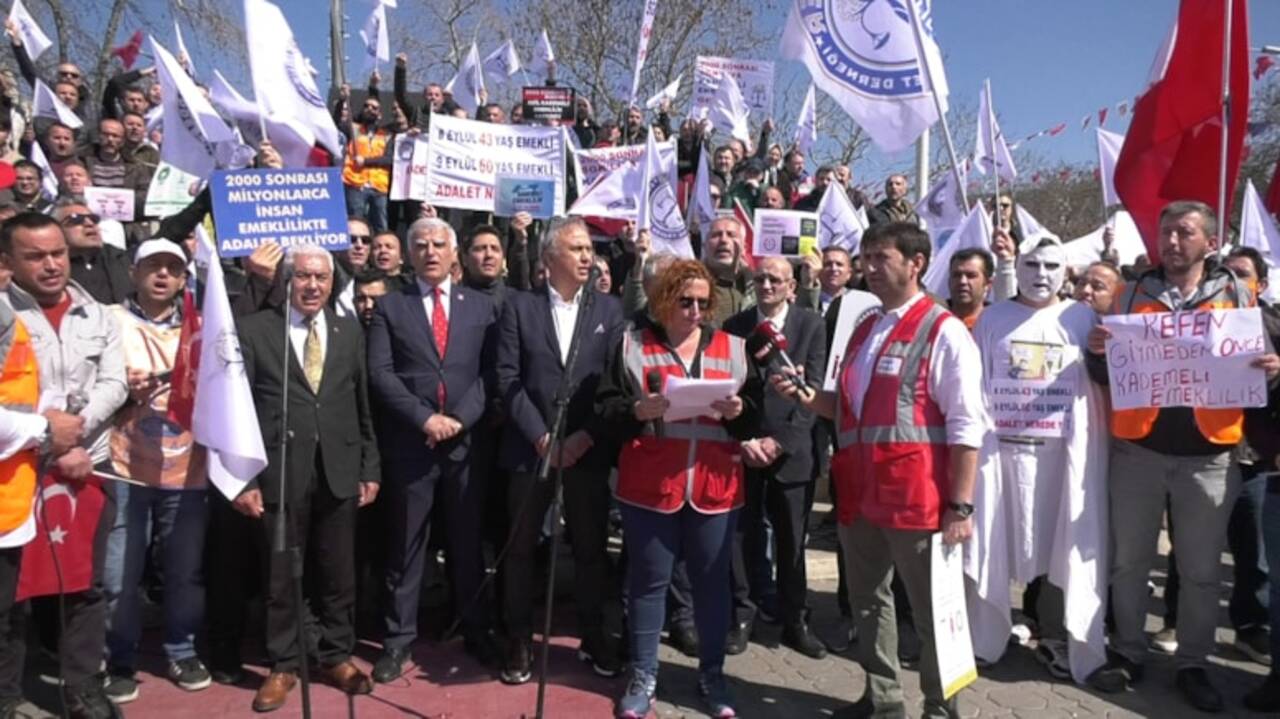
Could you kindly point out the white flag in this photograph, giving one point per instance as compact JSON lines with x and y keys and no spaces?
{"x":1030,"y":226}
{"x":729,"y":111}
{"x":991,"y":150}
{"x":613,"y":194}
{"x":942,"y":209}
{"x":543,"y":58}
{"x":1109,"y":144}
{"x":47,"y":104}
{"x":224,"y":420}
{"x":283,"y":82}
{"x":701,"y":207}
{"x":502,"y":63}
{"x":642,"y":46}
{"x":807,"y":123}
{"x":864,"y":55}
{"x":192,"y":128}
{"x":975,"y":232}
{"x":659,"y":213}
{"x":48,"y":180}
{"x":668,"y":93}
{"x":1258,"y":230}
{"x":184,"y":57}
{"x":33,"y":38}
{"x":377,"y":47}
{"x":839,"y":225}
{"x":467,"y":86}
{"x":290,"y":138}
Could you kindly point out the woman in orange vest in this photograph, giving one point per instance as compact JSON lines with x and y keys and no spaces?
{"x":679,"y":482}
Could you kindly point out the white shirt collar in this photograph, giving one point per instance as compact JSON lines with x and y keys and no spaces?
{"x":779,"y":319}
{"x":557,"y":299}
{"x":901,"y":311}
{"x":426,"y":288}
{"x":297,"y":319}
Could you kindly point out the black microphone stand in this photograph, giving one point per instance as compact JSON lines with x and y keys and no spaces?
{"x":279,"y":542}
{"x":563,"y":395}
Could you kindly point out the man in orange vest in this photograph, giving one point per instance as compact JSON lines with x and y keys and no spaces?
{"x":1178,"y":455}
{"x":24,"y":437}
{"x":366,"y":172}
{"x":910,"y":418}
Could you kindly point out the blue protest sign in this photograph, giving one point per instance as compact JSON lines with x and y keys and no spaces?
{"x":535,"y":195}
{"x":289,"y":207}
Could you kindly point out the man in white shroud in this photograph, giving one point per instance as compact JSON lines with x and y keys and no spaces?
{"x":1041,"y":509}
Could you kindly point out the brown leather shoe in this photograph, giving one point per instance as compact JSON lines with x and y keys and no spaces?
{"x":274,"y":691}
{"x":348,"y":677}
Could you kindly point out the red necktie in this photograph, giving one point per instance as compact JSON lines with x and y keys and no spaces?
{"x":440,"y":330}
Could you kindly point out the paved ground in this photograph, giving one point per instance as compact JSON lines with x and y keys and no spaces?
{"x":768,"y":681}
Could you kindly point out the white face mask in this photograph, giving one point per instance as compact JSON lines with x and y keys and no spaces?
{"x":1041,"y":273}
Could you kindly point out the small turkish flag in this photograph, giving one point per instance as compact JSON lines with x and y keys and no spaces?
{"x":128,"y":52}
{"x":73,"y":510}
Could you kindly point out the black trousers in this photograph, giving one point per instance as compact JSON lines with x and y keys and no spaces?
{"x":234,"y":548}
{"x":586,"y":512}
{"x":323,"y":528}
{"x":410,"y":499}
{"x":11,"y":627}
{"x":787,"y":506}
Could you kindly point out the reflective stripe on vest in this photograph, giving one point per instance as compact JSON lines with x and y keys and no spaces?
{"x":695,"y":461}
{"x":19,"y":391}
{"x":1224,"y":426}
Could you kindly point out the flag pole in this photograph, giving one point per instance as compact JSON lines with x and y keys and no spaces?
{"x":1223,"y":207}
{"x":937,"y":101}
{"x":995,"y":156}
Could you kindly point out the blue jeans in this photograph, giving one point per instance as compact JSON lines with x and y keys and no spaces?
{"x":179,"y":518}
{"x":369,"y":204}
{"x":654,"y":542}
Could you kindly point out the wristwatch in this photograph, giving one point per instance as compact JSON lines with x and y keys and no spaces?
{"x":963,"y":510}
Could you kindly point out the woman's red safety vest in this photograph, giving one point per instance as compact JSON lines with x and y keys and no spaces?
{"x":890,"y":465}
{"x":695,"y":461}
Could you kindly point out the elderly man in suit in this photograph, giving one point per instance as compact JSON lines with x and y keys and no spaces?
{"x":332,"y":468}
{"x":427,"y":344}
{"x":537,"y":330}
{"x":779,"y":459}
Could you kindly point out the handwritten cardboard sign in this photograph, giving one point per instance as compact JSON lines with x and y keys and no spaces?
{"x":1186,"y":359}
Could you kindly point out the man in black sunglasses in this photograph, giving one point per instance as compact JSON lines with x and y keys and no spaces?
{"x":102,"y":270}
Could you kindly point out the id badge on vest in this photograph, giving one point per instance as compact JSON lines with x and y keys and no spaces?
{"x":889,"y":364}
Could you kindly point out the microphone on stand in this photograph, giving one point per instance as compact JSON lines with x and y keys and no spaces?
{"x":653,"y":383}
{"x":769,"y":348}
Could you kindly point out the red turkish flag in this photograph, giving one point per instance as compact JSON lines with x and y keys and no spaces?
{"x":73,"y":510}
{"x":128,"y":52}
{"x":186,"y":366}
{"x":1263,"y":64}
{"x":1172,"y":149}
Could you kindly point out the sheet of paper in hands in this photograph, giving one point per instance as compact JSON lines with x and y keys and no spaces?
{"x":691,"y":398}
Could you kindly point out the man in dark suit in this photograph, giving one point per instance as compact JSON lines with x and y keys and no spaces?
{"x":536,"y":332}
{"x":332,"y":468}
{"x":779,"y":459}
{"x":427,"y":344}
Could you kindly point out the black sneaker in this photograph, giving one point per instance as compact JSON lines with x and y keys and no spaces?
{"x":390,"y":665}
{"x":1255,"y":643}
{"x":1117,"y":675}
{"x":1266,"y":698}
{"x":738,"y":638}
{"x":121,"y":686}
{"x":91,"y":703}
{"x":601,"y":651}
{"x":190,"y":674}
{"x":684,"y":637}
{"x":1194,"y":684}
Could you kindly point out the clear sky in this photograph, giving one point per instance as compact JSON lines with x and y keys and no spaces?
{"x":1049,"y":61}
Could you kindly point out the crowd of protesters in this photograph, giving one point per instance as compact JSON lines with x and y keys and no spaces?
{"x":422,"y":369}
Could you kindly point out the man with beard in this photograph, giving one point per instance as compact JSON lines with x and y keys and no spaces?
{"x":894,"y":207}
{"x":109,"y":167}
{"x":366,"y":172}
{"x":1042,"y":515}
{"x":722,"y":255}
{"x":970,"y":278}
